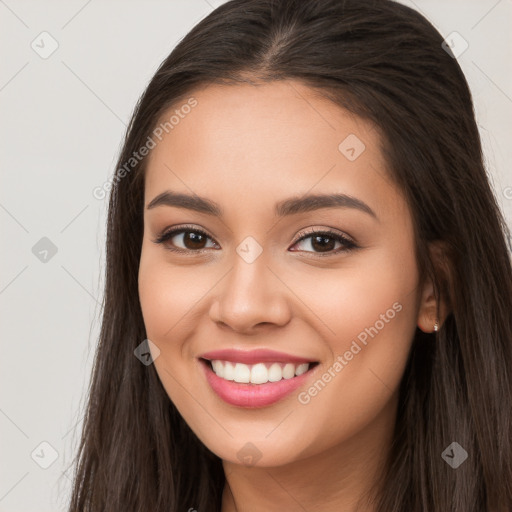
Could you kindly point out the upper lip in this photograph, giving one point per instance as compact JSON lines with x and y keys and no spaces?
{"x":253,"y":356}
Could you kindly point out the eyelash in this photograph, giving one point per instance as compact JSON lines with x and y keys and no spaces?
{"x":346,"y":242}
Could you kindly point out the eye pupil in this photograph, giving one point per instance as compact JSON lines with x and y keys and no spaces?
{"x":197,"y":239}
{"x":323,"y":246}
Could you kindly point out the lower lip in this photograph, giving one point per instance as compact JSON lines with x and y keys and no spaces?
{"x":253,"y":395}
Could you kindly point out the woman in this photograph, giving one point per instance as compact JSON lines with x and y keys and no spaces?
{"x":308,"y":288}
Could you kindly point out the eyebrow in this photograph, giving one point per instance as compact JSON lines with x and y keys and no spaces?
{"x":291,"y":206}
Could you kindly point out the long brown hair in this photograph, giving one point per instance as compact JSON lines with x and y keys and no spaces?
{"x":384,"y":62}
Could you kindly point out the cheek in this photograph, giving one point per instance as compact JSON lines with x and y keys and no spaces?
{"x":168,"y":293}
{"x":372,"y":310}
{"x":167,"y":297}
{"x":377,"y":287}
{"x":157,"y":298}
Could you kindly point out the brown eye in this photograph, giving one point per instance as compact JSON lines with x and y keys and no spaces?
{"x":325,"y":242}
{"x":322,"y":243}
{"x":184,"y":239}
{"x":193,"y":240}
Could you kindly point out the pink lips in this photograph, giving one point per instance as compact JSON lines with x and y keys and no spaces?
{"x":253,"y":395}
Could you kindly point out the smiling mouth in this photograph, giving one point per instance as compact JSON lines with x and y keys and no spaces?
{"x":258,"y":373}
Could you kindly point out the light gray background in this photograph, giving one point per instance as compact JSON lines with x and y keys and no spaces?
{"x":62,"y":123}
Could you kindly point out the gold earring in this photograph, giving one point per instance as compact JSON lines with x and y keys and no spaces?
{"x":436,"y":326}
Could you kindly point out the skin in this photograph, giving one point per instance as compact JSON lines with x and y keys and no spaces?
{"x":246,"y":147}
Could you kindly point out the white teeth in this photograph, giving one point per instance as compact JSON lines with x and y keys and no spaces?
{"x":218,"y":368}
{"x":229,"y":370}
{"x":302,"y":368}
{"x":259,"y":373}
{"x":275,"y":373}
{"x":288,"y":371}
{"x":242,"y":373}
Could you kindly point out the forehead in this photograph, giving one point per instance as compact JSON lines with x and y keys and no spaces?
{"x":275,"y":139}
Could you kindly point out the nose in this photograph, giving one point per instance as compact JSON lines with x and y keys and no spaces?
{"x":250,"y":297}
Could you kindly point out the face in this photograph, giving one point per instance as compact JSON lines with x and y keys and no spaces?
{"x":306,"y":308}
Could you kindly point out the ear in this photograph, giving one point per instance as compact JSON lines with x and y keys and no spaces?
{"x":434,"y":308}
